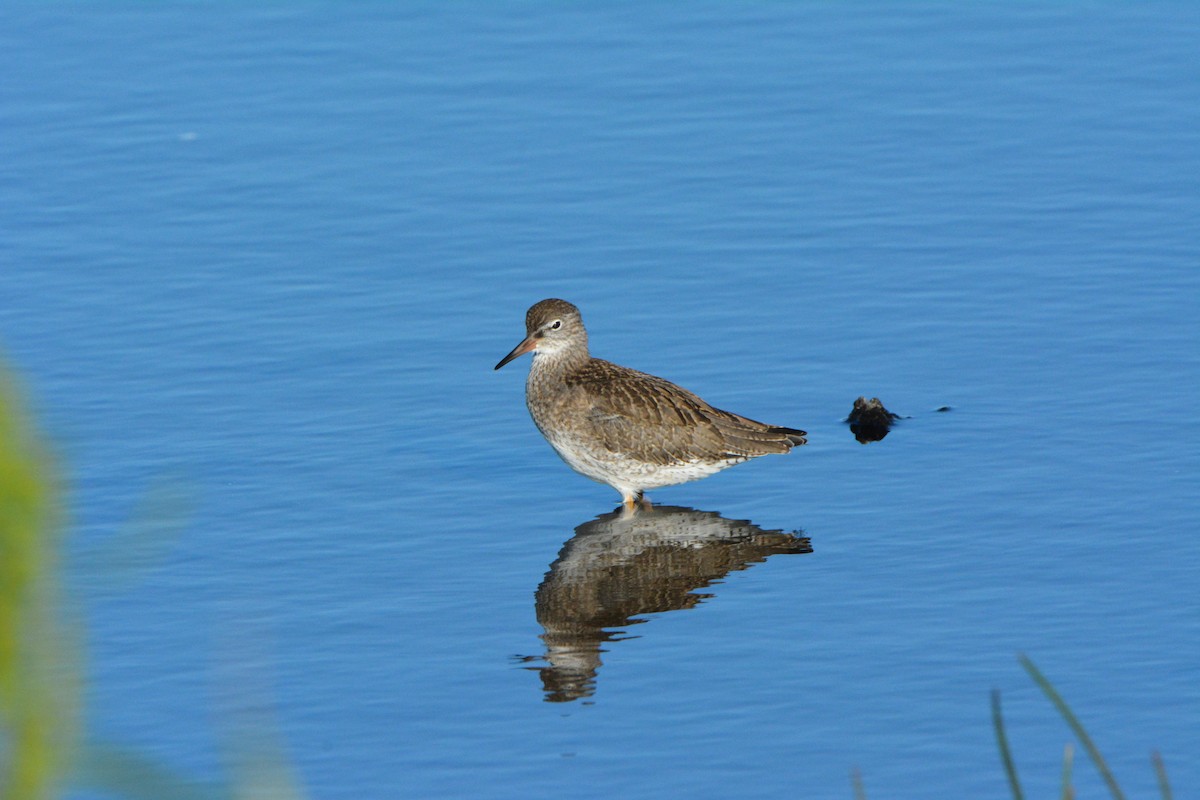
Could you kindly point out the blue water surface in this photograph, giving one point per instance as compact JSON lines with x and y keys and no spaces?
{"x":260,"y":261}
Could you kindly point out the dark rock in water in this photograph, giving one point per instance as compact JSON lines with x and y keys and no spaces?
{"x":869,"y":420}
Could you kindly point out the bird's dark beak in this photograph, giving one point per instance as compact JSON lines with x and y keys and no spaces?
{"x":527,"y":344}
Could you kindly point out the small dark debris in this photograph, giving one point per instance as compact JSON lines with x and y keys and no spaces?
{"x":943,"y":409}
{"x":869,"y":420}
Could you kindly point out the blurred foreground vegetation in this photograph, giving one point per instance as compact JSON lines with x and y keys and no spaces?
{"x":43,"y":753}
{"x":39,"y":687}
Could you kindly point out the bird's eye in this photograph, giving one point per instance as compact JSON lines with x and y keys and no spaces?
{"x":556,"y":324}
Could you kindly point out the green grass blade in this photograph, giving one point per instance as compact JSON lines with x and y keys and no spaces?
{"x":1160,"y":769}
{"x":860,"y":791}
{"x":1068,"y":793}
{"x":1002,"y":742}
{"x":1076,"y":727}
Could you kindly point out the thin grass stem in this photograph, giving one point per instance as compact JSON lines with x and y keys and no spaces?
{"x":1160,"y":769}
{"x":860,"y":791}
{"x":1076,"y":726}
{"x":1010,"y":768}
{"x":1068,"y":792}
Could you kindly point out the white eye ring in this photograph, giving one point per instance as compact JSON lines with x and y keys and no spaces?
{"x":556,"y":324}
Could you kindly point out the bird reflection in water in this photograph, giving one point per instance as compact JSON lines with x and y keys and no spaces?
{"x":621,"y":565}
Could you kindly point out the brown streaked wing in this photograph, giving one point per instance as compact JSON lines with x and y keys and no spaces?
{"x":657,"y":422}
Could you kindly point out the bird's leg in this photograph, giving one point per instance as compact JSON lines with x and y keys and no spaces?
{"x":634,"y":500}
{"x":646,"y":504}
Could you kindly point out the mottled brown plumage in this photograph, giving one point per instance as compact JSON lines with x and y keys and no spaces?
{"x":626,"y":428}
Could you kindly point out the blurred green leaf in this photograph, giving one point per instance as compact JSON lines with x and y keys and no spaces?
{"x":124,"y":773}
{"x":39,"y":687}
{"x":143,"y":542}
